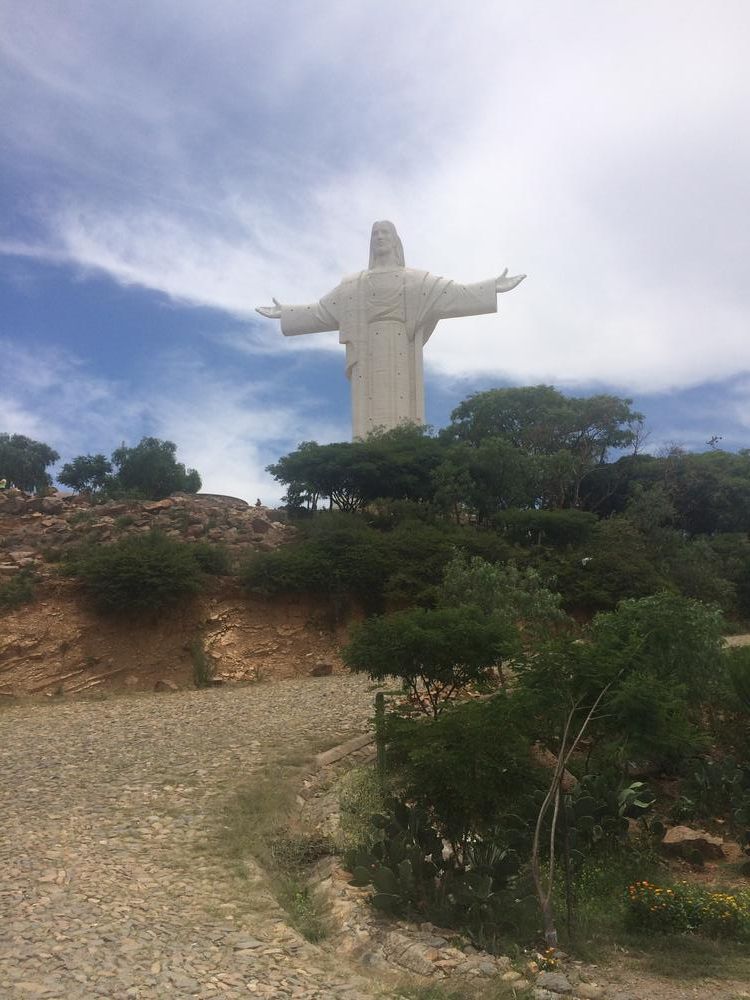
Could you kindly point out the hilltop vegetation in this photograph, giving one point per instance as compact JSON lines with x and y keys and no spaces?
{"x":527,"y":476}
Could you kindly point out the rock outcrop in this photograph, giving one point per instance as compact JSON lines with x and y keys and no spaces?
{"x":37,"y":531}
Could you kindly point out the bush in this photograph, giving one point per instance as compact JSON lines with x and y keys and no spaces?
{"x":738,"y":668}
{"x":360,"y":797}
{"x":212,"y":559}
{"x":341,"y":556}
{"x":469,"y":767}
{"x":688,"y":908}
{"x":411,"y":874}
{"x":203,"y":668}
{"x":18,"y":590}
{"x":140,"y":573}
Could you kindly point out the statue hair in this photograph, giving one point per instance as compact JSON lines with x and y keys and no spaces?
{"x":399,"y":247}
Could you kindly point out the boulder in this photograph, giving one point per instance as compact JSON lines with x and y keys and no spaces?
{"x":165,"y":685}
{"x":322,"y":670}
{"x":683,"y":841}
{"x":555,"y":982}
{"x":52,"y":505}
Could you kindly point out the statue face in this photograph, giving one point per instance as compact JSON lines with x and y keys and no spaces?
{"x":382,"y":239}
{"x":385,"y":246}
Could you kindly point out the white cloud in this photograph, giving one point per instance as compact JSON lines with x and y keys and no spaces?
{"x":228,"y":430}
{"x":598,"y":148}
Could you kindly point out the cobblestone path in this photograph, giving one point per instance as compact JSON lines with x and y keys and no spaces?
{"x":107,"y":885}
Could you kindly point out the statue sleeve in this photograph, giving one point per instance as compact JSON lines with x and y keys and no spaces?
{"x":454,"y":300}
{"x":316,"y":317}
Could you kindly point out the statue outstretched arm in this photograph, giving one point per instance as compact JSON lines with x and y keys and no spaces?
{"x":270,"y":312}
{"x":505,"y":283}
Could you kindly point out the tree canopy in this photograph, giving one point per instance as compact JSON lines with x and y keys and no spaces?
{"x":24,"y":462}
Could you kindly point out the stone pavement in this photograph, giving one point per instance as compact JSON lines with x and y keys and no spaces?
{"x":108,"y":886}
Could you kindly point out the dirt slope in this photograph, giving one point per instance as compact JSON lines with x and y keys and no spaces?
{"x":58,"y":644}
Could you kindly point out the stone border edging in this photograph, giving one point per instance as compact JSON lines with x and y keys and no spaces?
{"x":322,"y":760}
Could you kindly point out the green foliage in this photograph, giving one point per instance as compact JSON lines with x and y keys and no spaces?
{"x":685,"y":908}
{"x":436,"y":653}
{"x":556,"y":528}
{"x":707,"y":492}
{"x":410,"y":875}
{"x":151,"y":470}
{"x":737,"y":660}
{"x":24,"y":462}
{"x":667,"y":635}
{"x":203,"y":668}
{"x":20,"y":589}
{"x":598,"y":808}
{"x":395,"y":464}
{"x":212,"y":559}
{"x":89,"y":473}
{"x":615,"y":564}
{"x":570,"y":435}
{"x":717,"y":788}
{"x":661,"y":657}
{"x":469,"y":766}
{"x":360,"y":795}
{"x":485,"y":478}
{"x":138,"y":574}
{"x":341,"y":556}
{"x":515,"y":595}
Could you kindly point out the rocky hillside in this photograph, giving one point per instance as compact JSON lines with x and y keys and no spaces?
{"x":36,"y":531}
{"x":59,"y":644}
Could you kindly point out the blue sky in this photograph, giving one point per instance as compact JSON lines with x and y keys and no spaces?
{"x":167,"y":166}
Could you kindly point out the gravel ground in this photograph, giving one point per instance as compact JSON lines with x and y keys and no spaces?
{"x":108,"y":887}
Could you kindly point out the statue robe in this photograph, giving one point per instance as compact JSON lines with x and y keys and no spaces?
{"x":385,"y":318}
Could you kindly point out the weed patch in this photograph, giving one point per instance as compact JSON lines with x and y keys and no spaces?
{"x":257,"y":824}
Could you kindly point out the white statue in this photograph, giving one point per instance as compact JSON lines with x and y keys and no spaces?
{"x":385,"y":315}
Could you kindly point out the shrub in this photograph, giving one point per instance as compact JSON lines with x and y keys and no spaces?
{"x":411,"y":873}
{"x":688,"y":908}
{"x":341,"y":556}
{"x":18,"y":590}
{"x":203,"y":668}
{"x":738,"y":668}
{"x":469,"y":767}
{"x":360,"y":797}
{"x":140,"y":573}
{"x":212,"y":559}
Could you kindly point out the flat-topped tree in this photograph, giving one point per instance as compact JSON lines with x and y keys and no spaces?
{"x":385,"y":315}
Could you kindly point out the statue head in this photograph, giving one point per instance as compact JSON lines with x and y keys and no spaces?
{"x":385,"y":243}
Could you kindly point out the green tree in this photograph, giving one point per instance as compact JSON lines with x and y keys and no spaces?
{"x":151,"y":470}
{"x":436,"y":653}
{"x":615,"y":563}
{"x":89,"y":473}
{"x":658,"y":658}
{"x":571,"y":435}
{"x":24,"y":462}
{"x":395,"y":464}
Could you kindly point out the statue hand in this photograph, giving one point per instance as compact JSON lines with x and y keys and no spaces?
{"x":505,"y":283}
{"x":270,"y":312}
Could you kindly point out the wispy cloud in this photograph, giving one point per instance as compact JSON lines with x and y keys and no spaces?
{"x":225,"y":154}
{"x":226,"y":428}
